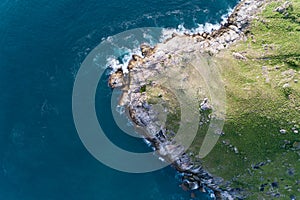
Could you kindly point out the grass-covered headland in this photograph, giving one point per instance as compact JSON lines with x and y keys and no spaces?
{"x":260,"y":149}
{"x":258,"y":153}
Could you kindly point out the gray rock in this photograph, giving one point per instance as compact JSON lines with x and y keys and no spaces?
{"x":153,"y":61}
{"x":238,"y":56}
{"x":227,"y":38}
{"x":234,"y":28}
{"x":281,"y":9}
{"x":205,"y":105}
{"x":191,"y":185}
{"x":282,"y":131}
{"x":236,"y":150}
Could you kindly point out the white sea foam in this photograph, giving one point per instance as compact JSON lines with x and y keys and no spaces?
{"x":201,"y":28}
{"x":161,"y":159}
{"x":120,"y":109}
{"x":115,"y":64}
{"x":147,"y":142}
{"x":225,"y":16}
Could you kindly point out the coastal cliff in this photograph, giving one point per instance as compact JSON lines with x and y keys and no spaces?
{"x":141,"y":93}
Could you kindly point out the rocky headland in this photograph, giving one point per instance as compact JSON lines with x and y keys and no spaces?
{"x":137,"y":99}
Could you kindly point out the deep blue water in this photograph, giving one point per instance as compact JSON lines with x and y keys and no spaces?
{"x":42,"y":44}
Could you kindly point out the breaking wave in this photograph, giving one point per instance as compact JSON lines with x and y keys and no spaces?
{"x":116,"y":63}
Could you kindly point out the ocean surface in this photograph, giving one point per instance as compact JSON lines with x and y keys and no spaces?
{"x":42,"y":45}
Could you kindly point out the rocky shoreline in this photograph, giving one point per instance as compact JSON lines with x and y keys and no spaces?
{"x":142,"y":68}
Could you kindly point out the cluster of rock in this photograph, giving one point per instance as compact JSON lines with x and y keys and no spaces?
{"x":141,"y":69}
{"x":230,"y":32}
{"x":283,"y":8}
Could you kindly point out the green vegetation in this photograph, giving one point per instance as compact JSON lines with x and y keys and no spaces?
{"x":143,"y":89}
{"x":159,"y":95}
{"x":263,"y":109}
{"x":259,"y":151}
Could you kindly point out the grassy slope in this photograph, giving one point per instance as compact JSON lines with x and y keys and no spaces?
{"x":258,"y":106}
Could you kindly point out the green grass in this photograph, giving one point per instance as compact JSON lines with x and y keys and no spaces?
{"x":166,"y":99}
{"x":263,"y":97}
{"x":143,"y":89}
{"x":259,"y":105}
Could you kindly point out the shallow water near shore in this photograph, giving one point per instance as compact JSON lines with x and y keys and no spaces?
{"x":42,"y":46}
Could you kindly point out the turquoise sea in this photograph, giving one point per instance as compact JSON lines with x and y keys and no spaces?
{"x":42,"y":45}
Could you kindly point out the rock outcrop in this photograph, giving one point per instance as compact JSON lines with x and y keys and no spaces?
{"x":153,"y":60}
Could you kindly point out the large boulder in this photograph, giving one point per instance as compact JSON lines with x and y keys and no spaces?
{"x":147,"y":50}
{"x":116,"y":79}
{"x":135,"y":60}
